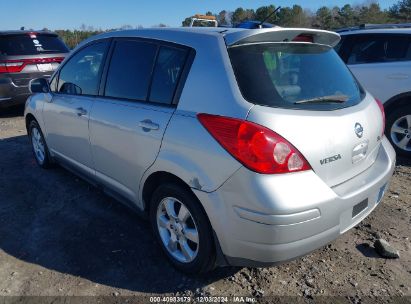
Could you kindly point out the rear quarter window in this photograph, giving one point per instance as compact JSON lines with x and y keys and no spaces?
{"x":167,"y":72}
{"x":294,"y":75}
{"x":26,"y":44}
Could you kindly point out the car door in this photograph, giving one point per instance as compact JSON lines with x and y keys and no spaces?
{"x":67,"y":114}
{"x":128,"y":120}
{"x":382,"y":63}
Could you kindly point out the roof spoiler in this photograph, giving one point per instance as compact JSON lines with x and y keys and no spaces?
{"x":281,"y":35}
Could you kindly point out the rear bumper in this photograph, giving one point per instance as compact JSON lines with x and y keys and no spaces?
{"x":262,"y":220}
{"x":11,"y":94}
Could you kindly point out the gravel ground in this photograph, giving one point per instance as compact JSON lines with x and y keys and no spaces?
{"x":59,"y":236}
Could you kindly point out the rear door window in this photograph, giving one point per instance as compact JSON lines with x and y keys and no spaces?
{"x":31,"y":44}
{"x":294,"y":75}
{"x":130,"y":70}
{"x":380,"y":48}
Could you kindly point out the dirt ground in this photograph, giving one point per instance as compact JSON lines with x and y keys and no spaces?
{"x":59,"y":236}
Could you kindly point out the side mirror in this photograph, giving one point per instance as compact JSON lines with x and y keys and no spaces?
{"x":71,"y":88}
{"x":39,"y":85}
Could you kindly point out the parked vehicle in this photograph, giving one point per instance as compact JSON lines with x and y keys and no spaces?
{"x":242,"y":147}
{"x":380,"y":58}
{"x":203,"y":21}
{"x":25,"y":55}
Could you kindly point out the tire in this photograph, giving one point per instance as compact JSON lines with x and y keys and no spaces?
{"x":398,"y":130}
{"x":171,"y":227}
{"x":39,"y":146}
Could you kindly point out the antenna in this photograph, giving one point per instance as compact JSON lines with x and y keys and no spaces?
{"x":266,"y":18}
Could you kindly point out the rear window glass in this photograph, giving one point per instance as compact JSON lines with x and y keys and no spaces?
{"x":294,"y":75}
{"x":31,"y":45}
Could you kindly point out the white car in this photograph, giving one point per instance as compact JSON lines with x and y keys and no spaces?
{"x":380,"y":58}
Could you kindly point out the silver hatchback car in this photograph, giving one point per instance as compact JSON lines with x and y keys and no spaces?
{"x":243,"y":147}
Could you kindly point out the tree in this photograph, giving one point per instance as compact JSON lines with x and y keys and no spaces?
{"x":223,"y":18}
{"x":186,"y":21}
{"x":324,"y":18}
{"x":372,"y":14}
{"x":401,"y":11}
{"x":126,"y":27}
{"x":293,"y":17}
{"x":241,"y":15}
{"x":263,"y":12}
{"x":284,"y":16}
{"x":347,"y":16}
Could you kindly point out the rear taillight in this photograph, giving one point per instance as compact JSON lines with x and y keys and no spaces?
{"x":304,"y":38}
{"x":16,"y":66}
{"x":381,"y":106}
{"x":11,"y":66}
{"x":256,"y":147}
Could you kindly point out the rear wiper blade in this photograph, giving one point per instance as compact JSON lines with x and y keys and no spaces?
{"x":50,"y":51}
{"x":331,"y":98}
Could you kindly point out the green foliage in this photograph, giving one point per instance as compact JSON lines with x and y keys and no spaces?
{"x":401,"y":11}
{"x":73,"y":38}
{"x":329,"y":18}
{"x":223,"y":18}
{"x":241,"y":15}
{"x":263,"y":12}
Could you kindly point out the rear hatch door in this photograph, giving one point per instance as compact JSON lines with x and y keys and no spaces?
{"x":305,"y":93}
{"x":332,"y":142}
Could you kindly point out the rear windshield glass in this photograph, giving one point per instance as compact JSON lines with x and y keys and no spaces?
{"x":31,"y":45}
{"x":294,"y":75}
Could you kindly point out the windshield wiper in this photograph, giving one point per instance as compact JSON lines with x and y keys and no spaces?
{"x":330,"y":98}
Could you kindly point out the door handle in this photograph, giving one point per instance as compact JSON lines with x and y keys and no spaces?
{"x":81,"y":111}
{"x":148,"y":125}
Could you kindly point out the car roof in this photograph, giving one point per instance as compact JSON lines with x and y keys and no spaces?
{"x":354,"y":31}
{"x":26,"y":32}
{"x":232,"y":36}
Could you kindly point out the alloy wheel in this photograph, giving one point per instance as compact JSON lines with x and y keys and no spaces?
{"x":38,"y":145}
{"x":178,"y":230}
{"x":401,"y":133}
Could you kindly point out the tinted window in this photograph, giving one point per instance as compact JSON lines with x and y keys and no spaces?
{"x":130,"y":70}
{"x":380,"y":48}
{"x":31,"y":44}
{"x":294,"y":76}
{"x":169,"y":65}
{"x":81,"y":74}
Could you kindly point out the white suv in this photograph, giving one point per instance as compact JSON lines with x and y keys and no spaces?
{"x":380,"y":57}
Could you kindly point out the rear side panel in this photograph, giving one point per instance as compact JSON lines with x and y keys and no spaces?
{"x":191,"y":153}
{"x":384,"y":80}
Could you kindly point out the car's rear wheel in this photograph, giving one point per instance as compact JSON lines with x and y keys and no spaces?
{"x":39,"y":146}
{"x":182,"y":229}
{"x":399,"y":130}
